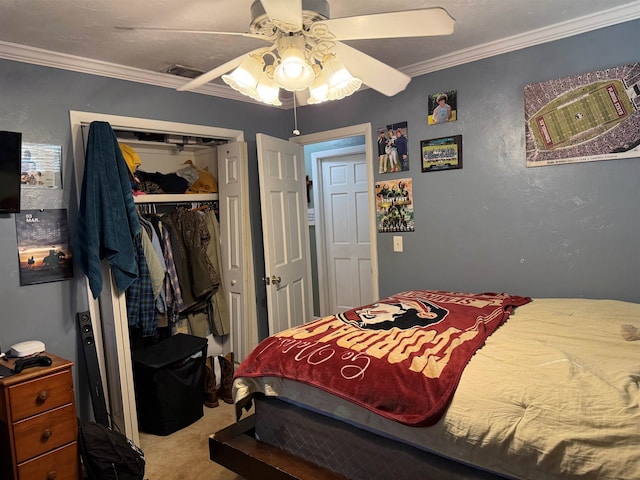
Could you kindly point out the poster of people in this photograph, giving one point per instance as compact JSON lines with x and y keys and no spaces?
{"x":393,"y":148}
{"x":394,"y":206}
{"x":584,"y":118}
{"x":443,"y":107}
{"x":43,"y":246}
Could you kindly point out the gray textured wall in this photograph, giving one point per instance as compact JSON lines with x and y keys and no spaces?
{"x":495,"y":225}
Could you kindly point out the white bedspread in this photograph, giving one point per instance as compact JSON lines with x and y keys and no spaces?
{"x":553,"y":394}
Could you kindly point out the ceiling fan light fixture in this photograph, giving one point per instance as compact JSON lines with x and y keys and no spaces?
{"x":293,"y":71}
{"x":341,"y":82}
{"x":319,"y":89}
{"x":267,"y":90}
{"x":244,"y":79}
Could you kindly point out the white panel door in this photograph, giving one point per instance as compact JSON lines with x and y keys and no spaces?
{"x":345,"y":205}
{"x":237,"y":262}
{"x":283,"y":199}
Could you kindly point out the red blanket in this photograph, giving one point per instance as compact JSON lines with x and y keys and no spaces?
{"x":401,"y":357}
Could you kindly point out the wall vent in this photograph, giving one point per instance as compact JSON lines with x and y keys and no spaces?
{"x":182,"y":71}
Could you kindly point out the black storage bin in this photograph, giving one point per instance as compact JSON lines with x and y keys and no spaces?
{"x":169,"y":383}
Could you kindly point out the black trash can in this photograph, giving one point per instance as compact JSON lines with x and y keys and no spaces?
{"x":169,"y":383}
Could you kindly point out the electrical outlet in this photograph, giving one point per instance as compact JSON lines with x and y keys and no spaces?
{"x":397,"y":243}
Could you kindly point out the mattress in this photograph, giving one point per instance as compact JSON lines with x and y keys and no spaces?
{"x":553,"y":394}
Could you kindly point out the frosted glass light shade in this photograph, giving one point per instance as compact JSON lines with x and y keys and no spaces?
{"x":267,"y":89}
{"x":244,"y":79}
{"x":341,"y":82}
{"x":293,"y":73}
{"x":319,"y":89}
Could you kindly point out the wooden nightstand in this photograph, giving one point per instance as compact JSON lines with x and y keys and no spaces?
{"x":38,"y":423}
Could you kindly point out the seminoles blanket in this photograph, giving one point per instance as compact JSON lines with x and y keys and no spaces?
{"x":401,"y":357}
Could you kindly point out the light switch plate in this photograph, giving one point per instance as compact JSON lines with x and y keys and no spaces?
{"x":397,"y":243}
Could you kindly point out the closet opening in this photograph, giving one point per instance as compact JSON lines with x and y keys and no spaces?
{"x":216,"y":157}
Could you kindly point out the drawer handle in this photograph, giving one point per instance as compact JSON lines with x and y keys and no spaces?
{"x":42,"y":396}
{"x":46,"y":435}
{"x":52,"y":475}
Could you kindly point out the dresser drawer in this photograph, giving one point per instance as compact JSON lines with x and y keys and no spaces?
{"x":60,"y":464}
{"x":41,"y":394}
{"x":37,"y":435}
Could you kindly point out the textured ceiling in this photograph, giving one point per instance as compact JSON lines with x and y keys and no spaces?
{"x":85,"y":29}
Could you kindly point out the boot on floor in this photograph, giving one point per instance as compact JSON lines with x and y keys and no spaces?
{"x":225,"y":392}
{"x":210,"y":391}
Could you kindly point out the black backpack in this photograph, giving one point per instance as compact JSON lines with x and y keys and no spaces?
{"x":109,"y":455}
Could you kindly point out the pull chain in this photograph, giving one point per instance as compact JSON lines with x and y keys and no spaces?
{"x":296,"y":132}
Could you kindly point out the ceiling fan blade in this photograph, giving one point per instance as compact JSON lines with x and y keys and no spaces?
{"x":216,"y":72}
{"x":288,"y":12}
{"x":200,"y":32}
{"x":373,"y":73}
{"x":412,"y":23}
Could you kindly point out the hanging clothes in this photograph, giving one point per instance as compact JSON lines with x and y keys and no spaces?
{"x":141,"y":312}
{"x":155,"y":261}
{"x":220,"y":316}
{"x":189,"y":238}
{"x":107,"y":219}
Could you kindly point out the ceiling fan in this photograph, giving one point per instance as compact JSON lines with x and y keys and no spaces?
{"x":306,"y":54}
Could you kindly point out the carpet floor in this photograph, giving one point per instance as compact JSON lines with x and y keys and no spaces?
{"x":184,"y":455}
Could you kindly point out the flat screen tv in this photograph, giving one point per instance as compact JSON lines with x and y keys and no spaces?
{"x":10,"y":171}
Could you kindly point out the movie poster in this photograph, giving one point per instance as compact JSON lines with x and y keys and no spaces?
{"x":43,"y":246}
{"x":394,"y":206}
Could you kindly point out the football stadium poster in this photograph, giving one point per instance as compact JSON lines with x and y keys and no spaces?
{"x":394,"y":206}
{"x":584,"y":118}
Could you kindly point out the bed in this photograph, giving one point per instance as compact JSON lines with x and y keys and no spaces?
{"x":540,"y":389}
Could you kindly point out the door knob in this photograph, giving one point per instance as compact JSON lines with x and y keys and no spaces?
{"x":233,"y":282}
{"x":275,"y":279}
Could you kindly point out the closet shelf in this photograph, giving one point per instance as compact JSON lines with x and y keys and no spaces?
{"x":175,"y":198}
{"x":171,"y":146}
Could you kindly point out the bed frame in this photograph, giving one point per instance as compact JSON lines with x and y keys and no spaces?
{"x":237,"y":449}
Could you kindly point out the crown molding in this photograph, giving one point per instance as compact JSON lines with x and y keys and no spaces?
{"x":47,"y":58}
{"x":558,"y":31}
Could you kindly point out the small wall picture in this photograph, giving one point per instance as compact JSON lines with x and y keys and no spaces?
{"x":443,"y":107}
{"x":41,"y":166}
{"x":393,"y":148}
{"x":443,"y":153}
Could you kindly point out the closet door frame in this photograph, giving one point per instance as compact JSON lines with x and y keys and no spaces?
{"x":108,"y":312}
